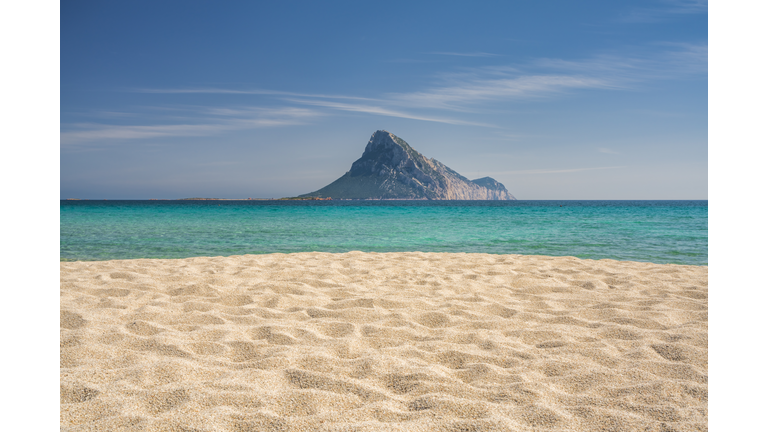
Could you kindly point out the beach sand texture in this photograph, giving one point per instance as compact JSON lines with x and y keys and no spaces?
{"x":383,"y":342}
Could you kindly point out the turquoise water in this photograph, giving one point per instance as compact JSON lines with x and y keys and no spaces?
{"x":652,"y":231}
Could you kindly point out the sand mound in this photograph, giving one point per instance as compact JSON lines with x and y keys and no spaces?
{"x":383,"y":342}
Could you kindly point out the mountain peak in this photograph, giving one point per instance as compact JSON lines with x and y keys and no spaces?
{"x":391,"y":169}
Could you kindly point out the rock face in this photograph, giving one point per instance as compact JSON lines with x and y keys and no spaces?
{"x":392,"y":169}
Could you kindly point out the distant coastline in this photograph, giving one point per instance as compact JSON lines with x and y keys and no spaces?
{"x":301,"y":198}
{"x":203,"y":199}
{"x":221,"y":199}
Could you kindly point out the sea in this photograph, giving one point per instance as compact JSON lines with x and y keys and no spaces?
{"x":663,"y":232}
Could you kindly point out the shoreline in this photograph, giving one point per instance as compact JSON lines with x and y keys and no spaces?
{"x":67,"y":260}
{"x":383,"y":341}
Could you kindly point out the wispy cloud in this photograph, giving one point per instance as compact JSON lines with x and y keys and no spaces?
{"x":687,"y":6}
{"x":678,"y":61}
{"x":549,"y":77}
{"x":385,"y":112}
{"x":664,"y":10}
{"x":214,"y":90}
{"x":250,"y":113}
{"x":93,"y":132}
{"x":213,"y":121}
{"x":540,"y":78}
{"x":469,"y":90}
{"x":479,"y":89}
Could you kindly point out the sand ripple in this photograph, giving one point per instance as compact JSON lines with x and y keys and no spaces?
{"x":383,"y":342}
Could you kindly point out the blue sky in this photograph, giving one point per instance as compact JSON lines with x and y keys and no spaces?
{"x":557,"y":100}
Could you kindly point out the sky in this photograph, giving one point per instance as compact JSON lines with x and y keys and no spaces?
{"x":84,"y":67}
{"x":555,"y":99}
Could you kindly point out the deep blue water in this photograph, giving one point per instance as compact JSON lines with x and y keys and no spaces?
{"x":653,"y":231}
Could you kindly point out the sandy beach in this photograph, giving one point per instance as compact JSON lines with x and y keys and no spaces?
{"x":383,"y":342}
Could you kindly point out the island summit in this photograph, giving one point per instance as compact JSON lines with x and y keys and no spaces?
{"x":391,"y":169}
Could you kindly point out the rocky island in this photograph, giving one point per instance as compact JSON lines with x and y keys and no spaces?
{"x":391,"y":169}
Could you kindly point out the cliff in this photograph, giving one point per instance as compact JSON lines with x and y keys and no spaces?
{"x":391,"y":169}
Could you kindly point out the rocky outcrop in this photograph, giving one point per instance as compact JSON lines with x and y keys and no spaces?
{"x":392,"y":169}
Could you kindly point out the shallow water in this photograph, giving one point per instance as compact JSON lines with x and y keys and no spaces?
{"x":653,"y":231}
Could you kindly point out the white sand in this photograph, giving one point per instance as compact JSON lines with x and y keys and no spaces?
{"x":383,"y":342}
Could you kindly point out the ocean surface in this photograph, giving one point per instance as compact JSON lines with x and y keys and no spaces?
{"x":652,"y":231}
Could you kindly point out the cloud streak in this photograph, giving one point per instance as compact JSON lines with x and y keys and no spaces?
{"x":218,"y":120}
{"x":680,"y":61}
{"x":386,"y":112}
{"x":457,"y":96}
{"x":464,"y":92}
{"x":470,"y":91}
{"x":214,"y":90}
{"x":547,"y":77}
{"x":667,"y":9}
